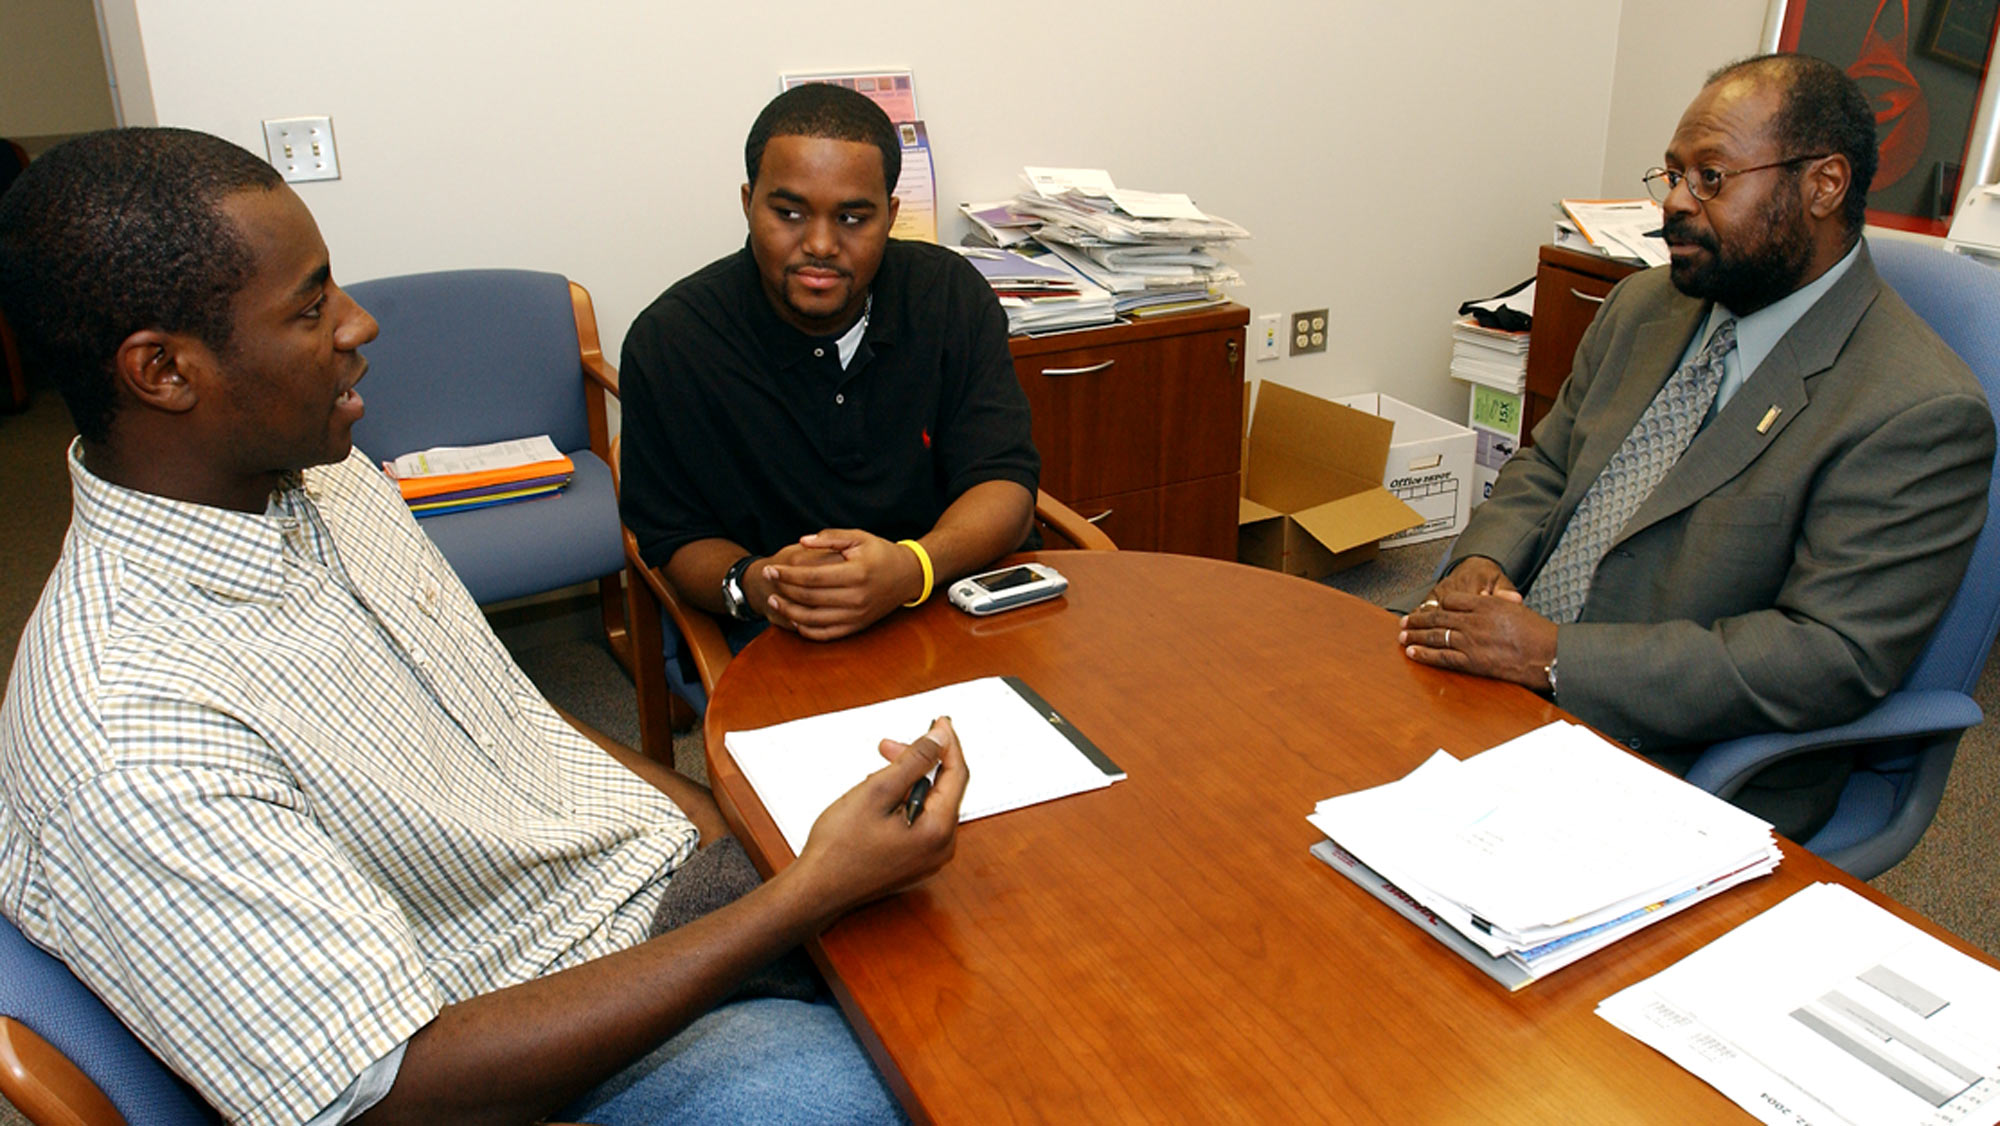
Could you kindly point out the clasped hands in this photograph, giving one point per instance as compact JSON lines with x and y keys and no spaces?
{"x":834,"y":582}
{"x":1474,"y":621}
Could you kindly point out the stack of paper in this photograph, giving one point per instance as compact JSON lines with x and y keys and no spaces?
{"x":459,"y":478}
{"x":1627,"y":229}
{"x":1149,"y":249}
{"x":1489,"y":355}
{"x":1546,"y":848}
{"x":1039,"y":291}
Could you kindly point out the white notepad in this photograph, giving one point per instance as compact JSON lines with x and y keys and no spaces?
{"x":1018,"y":750}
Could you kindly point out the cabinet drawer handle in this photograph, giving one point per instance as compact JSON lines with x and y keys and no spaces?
{"x":1581,"y":296}
{"x":1099,"y":518}
{"x":1079,"y":371}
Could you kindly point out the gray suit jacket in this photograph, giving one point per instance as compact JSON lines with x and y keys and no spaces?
{"x":1781,"y":580}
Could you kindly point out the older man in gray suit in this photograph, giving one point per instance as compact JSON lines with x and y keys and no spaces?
{"x":1760,"y":483}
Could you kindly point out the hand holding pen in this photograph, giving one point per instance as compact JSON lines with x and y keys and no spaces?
{"x":898,"y":826}
{"x":921,"y":788}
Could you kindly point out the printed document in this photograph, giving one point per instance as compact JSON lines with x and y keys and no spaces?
{"x":441,"y":460}
{"x":1827,"y":1010}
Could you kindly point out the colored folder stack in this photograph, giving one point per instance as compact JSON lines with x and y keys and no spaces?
{"x":461,"y":478}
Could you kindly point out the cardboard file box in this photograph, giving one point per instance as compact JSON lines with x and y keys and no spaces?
{"x":1429,"y":467}
{"x":1313,"y":499}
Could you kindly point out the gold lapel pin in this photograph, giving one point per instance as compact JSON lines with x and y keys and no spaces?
{"x":1770,"y":416}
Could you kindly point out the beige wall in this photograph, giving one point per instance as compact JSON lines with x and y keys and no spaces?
{"x":1391,"y":159}
{"x":1664,"y":51}
{"x":51,"y":69}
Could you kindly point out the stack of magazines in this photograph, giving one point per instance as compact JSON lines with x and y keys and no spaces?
{"x":1153,"y":251}
{"x":461,"y":478}
{"x":1542,"y":850}
{"x":1038,"y":291}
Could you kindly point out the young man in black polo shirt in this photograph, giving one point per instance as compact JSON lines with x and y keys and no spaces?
{"x":824,"y":425}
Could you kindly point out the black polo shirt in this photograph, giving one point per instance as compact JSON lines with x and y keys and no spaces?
{"x":739,"y":426}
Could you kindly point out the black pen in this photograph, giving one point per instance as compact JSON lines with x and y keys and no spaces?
{"x":916,"y":803}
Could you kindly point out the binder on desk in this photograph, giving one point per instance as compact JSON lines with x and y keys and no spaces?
{"x":1501,"y":970}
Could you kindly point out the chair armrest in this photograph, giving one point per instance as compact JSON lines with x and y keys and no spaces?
{"x":1052,"y":515}
{"x":700,"y":634}
{"x":601,"y":373}
{"x":595,"y":367}
{"x":43,"y":1084}
{"x":1725,"y":767}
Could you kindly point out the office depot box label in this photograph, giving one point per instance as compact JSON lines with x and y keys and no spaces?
{"x":1313,"y":500}
{"x":1429,"y":466}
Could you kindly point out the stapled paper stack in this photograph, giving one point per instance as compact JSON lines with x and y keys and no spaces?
{"x":1542,"y":850}
{"x":460,"y":478}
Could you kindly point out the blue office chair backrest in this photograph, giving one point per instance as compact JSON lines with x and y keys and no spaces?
{"x":40,"y":992}
{"x":1960,"y":300}
{"x":468,"y":357}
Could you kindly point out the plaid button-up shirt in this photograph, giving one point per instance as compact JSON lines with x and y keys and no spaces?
{"x":272,"y":788}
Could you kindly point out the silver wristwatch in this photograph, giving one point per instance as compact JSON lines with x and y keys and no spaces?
{"x":733,"y":598}
{"x":1550,"y":669}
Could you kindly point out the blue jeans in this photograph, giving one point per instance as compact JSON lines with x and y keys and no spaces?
{"x":762,"y":1060}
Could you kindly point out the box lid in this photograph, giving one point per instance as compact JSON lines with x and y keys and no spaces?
{"x":1304,"y":450}
{"x":1363,"y":517}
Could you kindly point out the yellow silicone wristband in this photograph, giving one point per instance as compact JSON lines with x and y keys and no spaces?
{"x":924,"y":561}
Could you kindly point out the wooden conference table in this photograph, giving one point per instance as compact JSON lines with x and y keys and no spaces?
{"x":1165,"y":949}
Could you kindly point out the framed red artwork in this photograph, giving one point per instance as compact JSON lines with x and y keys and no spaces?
{"x":1923,"y":65}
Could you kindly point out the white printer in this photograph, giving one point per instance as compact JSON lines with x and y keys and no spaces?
{"x":1975,"y":230}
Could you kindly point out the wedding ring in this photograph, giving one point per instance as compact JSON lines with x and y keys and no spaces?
{"x":1429,"y":604}
{"x":1447,"y":637}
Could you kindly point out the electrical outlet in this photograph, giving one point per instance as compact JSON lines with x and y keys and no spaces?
{"x":301,"y":148}
{"x":1309,"y":332}
{"x":1270,"y":330}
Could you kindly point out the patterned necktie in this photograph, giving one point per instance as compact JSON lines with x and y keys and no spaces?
{"x":1654,"y":445}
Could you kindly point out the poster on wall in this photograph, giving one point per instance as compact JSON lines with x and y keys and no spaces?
{"x":896,"y":92}
{"x":1923,"y":65}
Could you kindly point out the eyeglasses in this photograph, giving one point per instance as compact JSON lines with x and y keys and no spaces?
{"x":1705,"y":183}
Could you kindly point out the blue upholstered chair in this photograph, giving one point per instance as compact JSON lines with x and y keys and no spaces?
{"x":1908,"y":739}
{"x":65,"y":1058}
{"x":66,"y":1061}
{"x":467,"y":357}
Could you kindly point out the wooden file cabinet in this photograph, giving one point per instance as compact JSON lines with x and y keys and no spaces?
{"x":1140,"y":426}
{"x":1569,"y":287}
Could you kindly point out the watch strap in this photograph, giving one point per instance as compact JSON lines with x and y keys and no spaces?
{"x":734,"y":598}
